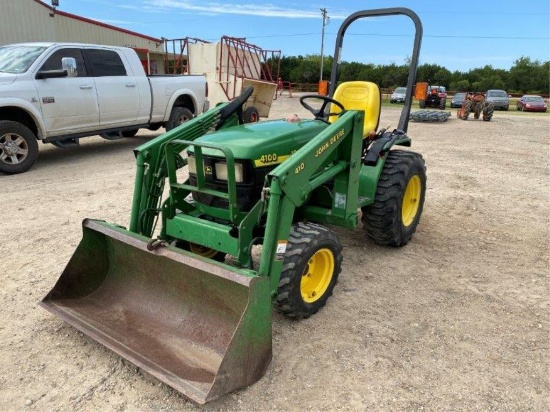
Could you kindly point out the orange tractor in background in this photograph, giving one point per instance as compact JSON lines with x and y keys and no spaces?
{"x":430,"y":96}
{"x":476,"y":102}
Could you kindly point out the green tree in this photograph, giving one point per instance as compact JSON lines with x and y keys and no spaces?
{"x":528,"y":76}
{"x":525,"y":76}
{"x":460,"y":86}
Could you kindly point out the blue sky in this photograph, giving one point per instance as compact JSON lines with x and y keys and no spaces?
{"x":457,"y":35}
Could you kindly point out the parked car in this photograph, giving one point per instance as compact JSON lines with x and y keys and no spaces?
{"x":531,"y":103}
{"x":61,"y":92}
{"x":398,"y":96}
{"x":457,"y":99}
{"x":499,"y":98}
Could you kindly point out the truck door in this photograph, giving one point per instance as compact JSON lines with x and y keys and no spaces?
{"x":67,"y":102}
{"x":117,"y":89}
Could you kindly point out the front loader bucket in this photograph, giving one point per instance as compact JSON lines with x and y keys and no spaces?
{"x":202,"y":328}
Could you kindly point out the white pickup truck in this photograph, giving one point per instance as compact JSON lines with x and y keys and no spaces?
{"x":61,"y":92}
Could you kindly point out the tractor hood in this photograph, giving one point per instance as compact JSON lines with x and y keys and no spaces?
{"x":263,"y":142}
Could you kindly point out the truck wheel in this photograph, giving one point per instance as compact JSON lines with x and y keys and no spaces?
{"x":392,"y":219}
{"x":178,"y":116}
{"x":251,"y":115}
{"x":18,"y":147}
{"x":312,"y":263}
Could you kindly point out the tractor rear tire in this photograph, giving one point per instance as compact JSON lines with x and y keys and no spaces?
{"x":442,"y":104}
{"x":478,"y":107}
{"x":422,"y":104}
{"x":467,"y":107}
{"x":488,"y":111}
{"x":312,"y":263}
{"x":392,"y":218}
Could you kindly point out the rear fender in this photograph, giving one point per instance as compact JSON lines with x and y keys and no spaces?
{"x":370,"y":171}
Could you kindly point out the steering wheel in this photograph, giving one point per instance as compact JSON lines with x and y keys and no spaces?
{"x":320,"y":114}
{"x":235,"y":105}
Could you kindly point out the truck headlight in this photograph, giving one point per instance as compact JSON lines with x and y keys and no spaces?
{"x":221,"y":171}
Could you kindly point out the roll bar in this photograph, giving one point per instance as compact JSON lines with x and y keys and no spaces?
{"x":404,"y":119}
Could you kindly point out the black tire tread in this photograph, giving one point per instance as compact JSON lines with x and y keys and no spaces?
{"x":488,"y":111}
{"x":175,"y":114}
{"x":32,"y":144}
{"x":467,"y":108}
{"x":303,"y":239}
{"x":382,"y":218}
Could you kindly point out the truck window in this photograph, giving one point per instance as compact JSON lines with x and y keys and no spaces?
{"x":105,"y":63}
{"x":54,"y":61}
{"x":17,"y":59}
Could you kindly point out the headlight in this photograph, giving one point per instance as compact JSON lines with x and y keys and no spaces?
{"x":221,"y":171}
{"x":192,"y":165}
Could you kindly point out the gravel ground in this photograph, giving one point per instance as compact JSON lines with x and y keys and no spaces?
{"x":456,"y":320}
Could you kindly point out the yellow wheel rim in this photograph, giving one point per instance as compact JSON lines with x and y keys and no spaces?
{"x":202,"y":251}
{"x":411,"y":200}
{"x":317,"y":275}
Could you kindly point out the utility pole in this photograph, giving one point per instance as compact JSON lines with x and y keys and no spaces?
{"x":325,"y":22}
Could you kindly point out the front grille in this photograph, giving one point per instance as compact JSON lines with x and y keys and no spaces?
{"x":247,"y":195}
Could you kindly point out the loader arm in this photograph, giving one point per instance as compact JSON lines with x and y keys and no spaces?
{"x":334,"y":154}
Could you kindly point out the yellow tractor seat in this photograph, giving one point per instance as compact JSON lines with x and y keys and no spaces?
{"x":359,"y":96}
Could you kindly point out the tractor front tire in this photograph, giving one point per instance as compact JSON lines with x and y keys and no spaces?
{"x":201,"y":250}
{"x":393,"y":216}
{"x":312,"y":263}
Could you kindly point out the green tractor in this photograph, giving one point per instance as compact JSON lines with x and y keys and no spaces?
{"x":186,"y":300}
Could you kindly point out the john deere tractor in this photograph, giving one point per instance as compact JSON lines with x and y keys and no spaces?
{"x":188,"y":302}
